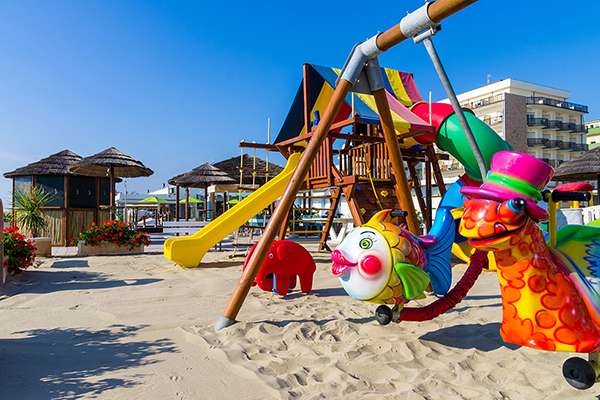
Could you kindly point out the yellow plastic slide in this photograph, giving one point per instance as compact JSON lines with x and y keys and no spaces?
{"x":188,"y":251}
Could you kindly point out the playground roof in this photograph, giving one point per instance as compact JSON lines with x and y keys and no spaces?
{"x":401,"y":93}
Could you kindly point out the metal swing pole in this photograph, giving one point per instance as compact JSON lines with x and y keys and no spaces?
{"x":425,"y":37}
{"x":384,"y":41}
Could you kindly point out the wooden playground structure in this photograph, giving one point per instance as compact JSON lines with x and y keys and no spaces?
{"x":377,"y":152}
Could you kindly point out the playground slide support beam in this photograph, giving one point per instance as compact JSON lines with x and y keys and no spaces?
{"x":285,"y":204}
{"x":403,"y":192}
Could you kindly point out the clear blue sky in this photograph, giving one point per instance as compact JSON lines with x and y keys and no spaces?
{"x":179,"y":83}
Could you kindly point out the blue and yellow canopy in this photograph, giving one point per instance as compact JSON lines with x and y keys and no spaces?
{"x":400,"y":89}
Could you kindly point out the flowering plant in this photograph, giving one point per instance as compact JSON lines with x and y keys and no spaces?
{"x":112,"y":231}
{"x":20,"y":251}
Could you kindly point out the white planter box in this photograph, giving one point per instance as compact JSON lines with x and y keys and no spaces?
{"x":105,"y":249}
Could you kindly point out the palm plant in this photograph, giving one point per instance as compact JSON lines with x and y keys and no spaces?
{"x":27,"y":204}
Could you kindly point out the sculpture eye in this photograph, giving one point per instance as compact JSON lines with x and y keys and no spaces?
{"x":270,"y":255}
{"x":366,"y":243}
{"x":517,"y":205}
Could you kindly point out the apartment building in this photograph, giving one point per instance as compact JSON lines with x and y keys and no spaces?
{"x":593,"y":133}
{"x":535,"y":119}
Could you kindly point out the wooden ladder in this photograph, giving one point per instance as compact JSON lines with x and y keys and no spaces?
{"x":291,"y":227}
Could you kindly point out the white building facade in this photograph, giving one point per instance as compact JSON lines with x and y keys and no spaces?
{"x":535,"y":119}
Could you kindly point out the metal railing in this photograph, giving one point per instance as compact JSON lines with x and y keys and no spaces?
{"x":537,"y":121}
{"x":556,"y":103}
{"x":554,"y":143}
{"x":539,"y":142}
{"x":484,"y":102}
{"x":492,"y":121}
{"x":567,"y":126}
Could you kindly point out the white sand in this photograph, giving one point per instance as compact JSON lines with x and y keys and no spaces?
{"x":139,"y":327}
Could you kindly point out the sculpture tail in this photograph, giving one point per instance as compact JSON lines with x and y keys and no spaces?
{"x":439,"y":265}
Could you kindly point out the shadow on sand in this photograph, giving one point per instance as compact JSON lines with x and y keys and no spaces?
{"x":43,"y":281}
{"x":74,"y":363}
{"x":482,"y":337}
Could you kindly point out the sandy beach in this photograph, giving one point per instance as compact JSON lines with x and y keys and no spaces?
{"x":139,"y":327}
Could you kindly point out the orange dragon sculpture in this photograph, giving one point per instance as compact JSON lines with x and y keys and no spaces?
{"x":550,"y":295}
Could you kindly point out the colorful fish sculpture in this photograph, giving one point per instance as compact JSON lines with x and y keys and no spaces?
{"x":381,"y":263}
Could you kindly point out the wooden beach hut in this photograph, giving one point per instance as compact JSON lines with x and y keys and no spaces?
{"x":111,"y":163}
{"x":79,"y":200}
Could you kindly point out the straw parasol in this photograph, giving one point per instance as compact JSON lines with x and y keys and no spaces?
{"x":55,"y":164}
{"x":586,"y":167}
{"x":248,"y":165}
{"x":199,"y":177}
{"x":112,"y":163}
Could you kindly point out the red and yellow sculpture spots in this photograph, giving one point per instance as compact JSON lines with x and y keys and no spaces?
{"x":550,"y":296}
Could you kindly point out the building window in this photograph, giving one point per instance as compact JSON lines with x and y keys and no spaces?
{"x":104,"y":191}
{"x":53,"y":184}
{"x":22,"y":182}
{"x":82,"y":192}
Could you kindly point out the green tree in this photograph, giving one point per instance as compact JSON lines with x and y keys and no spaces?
{"x":28,"y":203}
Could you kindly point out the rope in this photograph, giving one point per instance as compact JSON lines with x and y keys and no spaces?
{"x":478,"y":261}
{"x":371,"y":179}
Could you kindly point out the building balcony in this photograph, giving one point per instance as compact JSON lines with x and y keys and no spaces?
{"x":556,"y":103}
{"x":484,"y":102}
{"x":492,"y":121}
{"x":533,"y":122}
{"x":581,"y":147}
{"x":580,"y":128}
{"x":554,"y":144}
{"x":537,"y":142}
{"x":553,"y":124}
{"x":567,"y":126}
{"x":568,"y":146}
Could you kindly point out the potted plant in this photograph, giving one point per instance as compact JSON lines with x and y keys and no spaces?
{"x":110,"y":237}
{"x":27,"y":205}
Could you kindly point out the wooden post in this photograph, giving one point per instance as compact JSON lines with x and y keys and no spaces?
{"x":287,"y":200}
{"x":112,"y":191}
{"x":391,"y":140}
{"x":435,"y":166}
{"x":176,"y":202}
{"x":306,"y":92}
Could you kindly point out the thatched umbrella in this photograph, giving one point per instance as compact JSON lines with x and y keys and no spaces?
{"x":586,"y":167}
{"x":55,"y":164}
{"x":201,"y":176}
{"x":254,"y":170}
{"x":112,"y":163}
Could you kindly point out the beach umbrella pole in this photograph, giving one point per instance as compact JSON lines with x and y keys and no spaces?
{"x":111,"y":170}
{"x":410,"y":26}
